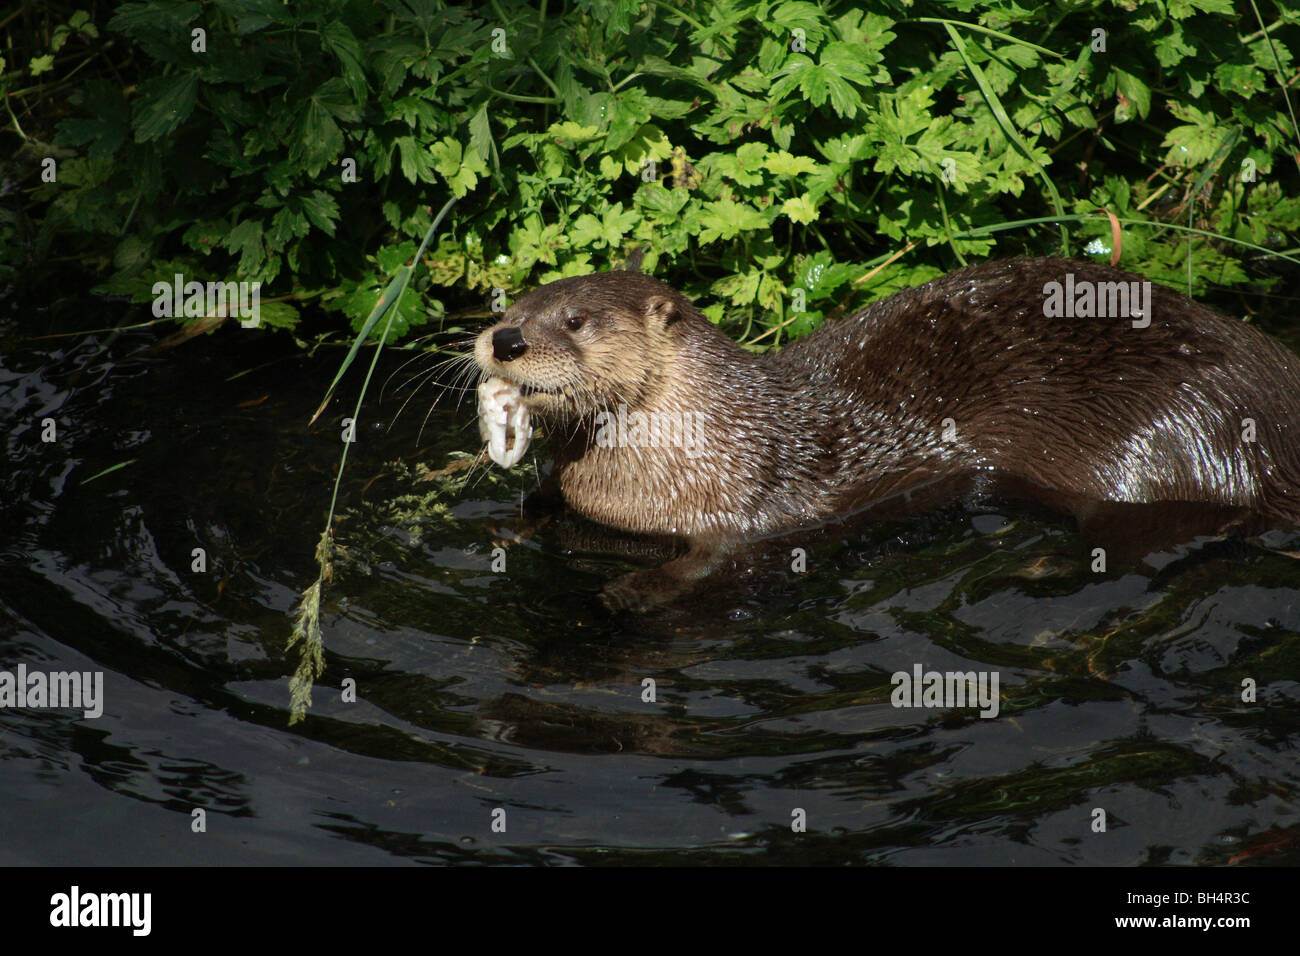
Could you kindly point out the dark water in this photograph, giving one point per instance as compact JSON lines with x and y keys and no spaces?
{"x":518,"y":691}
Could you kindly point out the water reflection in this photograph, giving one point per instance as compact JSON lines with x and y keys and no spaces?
{"x":518,"y":691}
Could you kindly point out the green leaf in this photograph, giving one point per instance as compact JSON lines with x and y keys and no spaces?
{"x":852,"y":62}
{"x":460,"y":168}
{"x":106,"y":128}
{"x":648,"y":142}
{"x":871,"y":31}
{"x":408,"y":309}
{"x":630,"y":112}
{"x":744,"y":167}
{"x":392,"y":258}
{"x":1193,"y":144}
{"x":741,"y":288}
{"x":319,"y":140}
{"x":131,"y":255}
{"x":1171,"y":49}
{"x":607,"y":231}
{"x":1182,"y":9}
{"x":417,"y":164}
{"x":333,"y":96}
{"x":783,"y":164}
{"x":727,"y":220}
{"x":569,"y":134}
{"x":322,"y":210}
{"x":339,"y":40}
{"x":799,"y":15}
{"x":205,"y":236}
{"x":164,"y":104}
{"x":771,"y":55}
{"x":1136,"y":92}
{"x":1244,"y":79}
{"x":277,"y":315}
{"x":480,"y":135}
{"x":286,"y":225}
{"x":822,"y":276}
{"x":665,"y":204}
{"x":800,"y":209}
{"x":246,"y":239}
{"x":138,"y":20}
{"x":818,"y":82}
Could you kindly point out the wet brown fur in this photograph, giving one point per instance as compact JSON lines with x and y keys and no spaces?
{"x":1085,"y":410}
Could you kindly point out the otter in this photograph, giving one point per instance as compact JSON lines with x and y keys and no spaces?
{"x":1074,"y":382}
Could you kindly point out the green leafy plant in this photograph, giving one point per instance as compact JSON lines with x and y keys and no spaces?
{"x":755,"y":147}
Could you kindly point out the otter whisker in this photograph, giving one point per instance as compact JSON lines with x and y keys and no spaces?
{"x":417,"y":381}
{"x":466,"y":368}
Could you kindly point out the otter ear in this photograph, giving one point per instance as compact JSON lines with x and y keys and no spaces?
{"x":662,"y":310}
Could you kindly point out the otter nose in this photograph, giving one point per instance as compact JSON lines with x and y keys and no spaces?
{"x":508,"y":344}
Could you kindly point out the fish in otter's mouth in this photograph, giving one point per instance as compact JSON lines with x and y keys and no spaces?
{"x":503,"y":420}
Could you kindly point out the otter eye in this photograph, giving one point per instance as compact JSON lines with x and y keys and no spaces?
{"x":575,"y":322}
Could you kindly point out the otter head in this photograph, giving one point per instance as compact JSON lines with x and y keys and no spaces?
{"x":581,"y":345}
